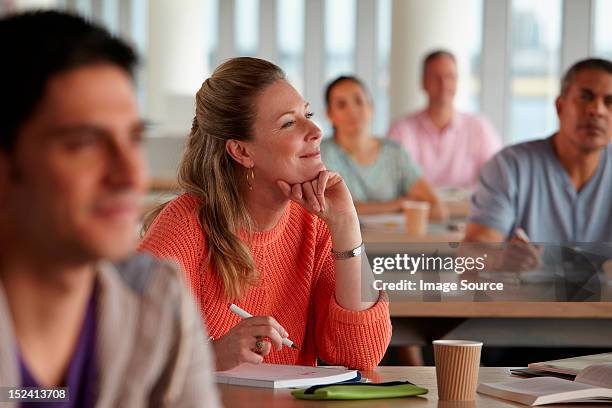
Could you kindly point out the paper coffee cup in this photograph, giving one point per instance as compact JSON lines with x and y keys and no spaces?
{"x":457,"y":363}
{"x":456,"y":404}
{"x":416,"y":215}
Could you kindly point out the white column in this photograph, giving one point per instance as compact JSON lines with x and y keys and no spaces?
{"x":419,"y":27}
{"x":175,"y":62}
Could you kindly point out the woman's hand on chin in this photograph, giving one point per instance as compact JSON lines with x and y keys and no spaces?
{"x":326,"y":196}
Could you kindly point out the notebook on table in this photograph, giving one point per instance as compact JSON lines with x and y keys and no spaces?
{"x":592,"y":384}
{"x":283,"y":376}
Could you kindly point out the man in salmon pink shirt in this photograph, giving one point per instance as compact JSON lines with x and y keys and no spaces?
{"x":450,"y":146}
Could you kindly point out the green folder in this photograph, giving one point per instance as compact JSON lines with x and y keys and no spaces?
{"x":357,"y":391}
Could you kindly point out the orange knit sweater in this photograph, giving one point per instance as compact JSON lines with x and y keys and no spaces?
{"x":296,"y":287}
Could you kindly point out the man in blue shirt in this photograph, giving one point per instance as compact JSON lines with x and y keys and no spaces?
{"x":556,"y":190}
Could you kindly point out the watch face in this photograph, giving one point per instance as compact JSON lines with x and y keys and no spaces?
{"x":348,"y":254}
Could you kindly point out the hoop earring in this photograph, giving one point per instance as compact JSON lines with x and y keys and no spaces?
{"x":250,"y":177}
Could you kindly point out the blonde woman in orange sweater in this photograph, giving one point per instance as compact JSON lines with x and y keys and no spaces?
{"x":262,"y":224}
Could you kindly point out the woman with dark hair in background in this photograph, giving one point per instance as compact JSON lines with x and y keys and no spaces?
{"x":379,"y":173}
{"x":264,"y":225}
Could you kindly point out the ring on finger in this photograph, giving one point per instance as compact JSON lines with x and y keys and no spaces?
{"x":259,"y":345}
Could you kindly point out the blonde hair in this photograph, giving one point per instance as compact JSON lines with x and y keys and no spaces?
{"x":225,"y":109}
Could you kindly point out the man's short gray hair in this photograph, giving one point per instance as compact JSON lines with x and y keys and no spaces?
{"x":598,"y":64}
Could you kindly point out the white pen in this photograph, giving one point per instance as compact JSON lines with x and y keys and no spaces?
{"x":522,"y":235}
{"x":245,"y":315}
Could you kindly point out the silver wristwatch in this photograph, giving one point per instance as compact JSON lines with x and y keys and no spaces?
{"x":348,"y":254}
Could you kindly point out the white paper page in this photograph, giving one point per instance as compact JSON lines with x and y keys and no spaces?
{"x":599,"y":375}
{"x":573,"y":365}
{"x":280,"y":375}
{"x":541,"y":386}
{"x":279,"y":371}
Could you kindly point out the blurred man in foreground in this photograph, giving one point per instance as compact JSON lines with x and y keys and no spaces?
{"x":76,"y":310}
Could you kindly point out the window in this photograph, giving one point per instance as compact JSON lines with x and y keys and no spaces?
{"x":340,"y":19}
{"x":603,"y":29}
{"x":291,"y":40}
{"x":534,"y":68}
{"x":84,"y":7}
{"x":212,"y":32}
{"x":247,"y":27}
{"x":109,"y":13}
{"x":139,"y":24}
{"x":339,"y":44}
{"x":468,"y":92}
{"x":380,"y":89}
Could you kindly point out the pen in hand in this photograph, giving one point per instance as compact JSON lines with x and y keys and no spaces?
{"x":245,"y":315}
{"x":522,"y":235}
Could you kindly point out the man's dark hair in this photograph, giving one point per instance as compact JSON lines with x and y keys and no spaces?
{"x":436,"y":54}
{"x":342,"y":78}
{"x":35,"y":46}
{"x":590,"y":63}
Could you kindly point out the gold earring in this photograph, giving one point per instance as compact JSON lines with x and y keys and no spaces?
{"x":250,"y":177}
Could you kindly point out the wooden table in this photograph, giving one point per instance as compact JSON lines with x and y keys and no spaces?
{"x":458,"y":209}
{"x":384,"y":241}
{"x":509,"y":323}
{"x":591,"y":310}
{"x":385,"y":233}
{"x":437,"y":236}
{"x":583,"y":316}
{"x":237,"y":396}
